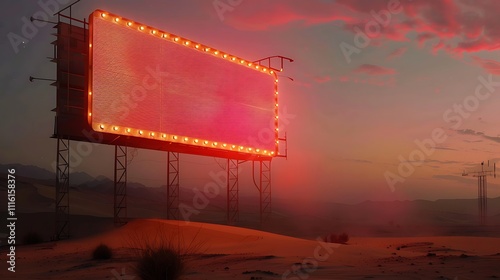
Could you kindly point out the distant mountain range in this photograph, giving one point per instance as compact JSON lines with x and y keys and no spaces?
{"x":93,"y":196}
{"x":35,"y":172}
{"x":29,"y":171}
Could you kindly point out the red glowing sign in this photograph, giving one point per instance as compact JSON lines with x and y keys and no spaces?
{"x":145,"y":82}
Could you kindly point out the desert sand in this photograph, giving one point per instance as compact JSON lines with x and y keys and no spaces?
{"x":382,"y":242}
{"x":224,"y":252}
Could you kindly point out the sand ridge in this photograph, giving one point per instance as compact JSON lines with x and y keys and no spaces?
{"x":226,"y":252}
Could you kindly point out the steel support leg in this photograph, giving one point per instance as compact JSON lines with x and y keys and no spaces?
{"x":62,"y":190}
{"x":482,"y":199}
{"x":120,"y":186}
{"x":265,"y":191}
{"x":233,"y":212}
{"x":172,"y":186}
{"x":485,"y":195}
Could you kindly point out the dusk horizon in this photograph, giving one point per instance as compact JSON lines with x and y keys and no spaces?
{"x":352,"y":120}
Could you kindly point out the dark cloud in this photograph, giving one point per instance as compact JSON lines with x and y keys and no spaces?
{"x":492,"y":138}
{"x":473,"y":141}
{"x":445,"y":148}
{"x":357,"y":160}
{"x":371,"y":69}
{"x":442,"y":161}
{"x":459,"y":179}
{"x":479,"y":133}
{"x":468,"y":131}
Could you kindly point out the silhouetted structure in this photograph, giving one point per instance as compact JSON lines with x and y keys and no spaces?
{"x":74,"y":50}
{"x":482,"y":195}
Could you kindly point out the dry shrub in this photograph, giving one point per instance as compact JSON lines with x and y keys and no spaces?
{"x":102,"y":252}
{"x":334,"y":238}
{"x":164,"y":254}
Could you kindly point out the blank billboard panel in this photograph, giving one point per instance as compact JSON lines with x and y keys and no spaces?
{"x":145,"y":82}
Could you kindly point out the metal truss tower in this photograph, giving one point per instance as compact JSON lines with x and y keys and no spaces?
{"x":69,"y":54}
{"x":482,"y":196}
{"x":120,"y":186}
{"x":233,"y":211}
{"x":265,"y":190}
{"x":62,"y":190}
{"x":172,"y":186}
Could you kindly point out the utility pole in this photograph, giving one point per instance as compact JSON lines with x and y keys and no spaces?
{"x":482,"y":195}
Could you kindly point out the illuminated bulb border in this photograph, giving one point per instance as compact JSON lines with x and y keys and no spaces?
{"x":102,"y":15}
{"x":115,"y":129}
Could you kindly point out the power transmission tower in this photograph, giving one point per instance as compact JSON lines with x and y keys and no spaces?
{"x":482,"y":195}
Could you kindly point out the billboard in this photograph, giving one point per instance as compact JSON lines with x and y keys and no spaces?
{"x":147,"y":83}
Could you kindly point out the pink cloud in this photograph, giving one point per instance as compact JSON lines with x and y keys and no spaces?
{"x":387,"y":32}
{"x":481,"y":44}
{"x":364,"y":6}
{"x":344,"y":79}
{"x":263,"y":14}
{"x":460,"y":25}
{"x":397,"y":52}
{"x":438,"y":46}
{"x":377,"y":76}
{"x":302,"y":83}
{"x":322,"y":79}
{"x":422,"y":37}
{"x":374,"y":70}
{"x":491,"y":66}
{"x":379,"y":81}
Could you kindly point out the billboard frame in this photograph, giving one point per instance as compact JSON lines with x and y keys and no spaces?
{"x":71,"y":124}
{"x":191,"y":145}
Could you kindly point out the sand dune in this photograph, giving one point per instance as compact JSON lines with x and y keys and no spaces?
{"x":224,"y":252}
{"x":371,"y":219}
{"x":447,"y":246}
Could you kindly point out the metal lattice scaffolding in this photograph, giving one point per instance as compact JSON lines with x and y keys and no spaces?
{"x":172,"y":186}
{"x":70,"y":54}
{"x":265,"y":190}
{"x":120,"y":186}
{"x":482,"y":198}
{"x":233,"y":212}
{"x":482,"y":184}
{"x":62,"y":190}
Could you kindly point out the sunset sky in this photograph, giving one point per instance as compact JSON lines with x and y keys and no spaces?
{"x":373,"y":83}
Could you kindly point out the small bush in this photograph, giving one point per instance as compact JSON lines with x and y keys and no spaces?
{"x":343,"y":238}
{"x":164,"y":253}
{"x":102,"y":252}
{"x":32,"y":238}
{"x":333,"y":238}
{"x":162,"y":262}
